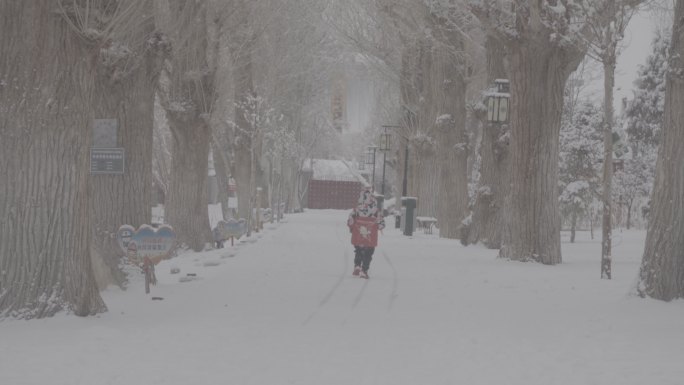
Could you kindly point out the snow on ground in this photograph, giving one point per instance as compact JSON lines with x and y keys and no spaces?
{"x":283,"y":308}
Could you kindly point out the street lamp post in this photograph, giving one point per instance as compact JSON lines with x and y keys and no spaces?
{"x":370,"y":159}
{"x":409,"y":203}
{"x":405,"y":182}
{"x":411,"y":121}
{"x":386,"y":143}
{"x":385,"y":146}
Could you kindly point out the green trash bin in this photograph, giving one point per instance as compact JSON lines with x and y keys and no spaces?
{"x":409,"y":212}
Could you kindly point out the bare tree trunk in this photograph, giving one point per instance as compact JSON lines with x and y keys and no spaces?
{"x":539,"y":71}
{"x":161,"y":157}
{"x":254,"y":194}
{"x":573,"y":225}
{"x":188,"y":106}
{"x":426,"y":182}
{"x":244,"y":158}
{"x":125,"y":199}
{"x":46,"y":95}
{"x":412,"y":82}
{"x":222,"y":150}
{"x":221,"y":164}
{"x":408,"y":98}
{"x":187,"y":203}
{"x":487,"y":222}
{"x":662,"y":267}
{"x":606,"y":241}
{"x":452,"y":147}
{"x":244,"y":88}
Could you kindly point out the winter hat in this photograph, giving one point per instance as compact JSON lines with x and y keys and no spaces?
{"x":366,"y":197}
{"x":367,"y":204}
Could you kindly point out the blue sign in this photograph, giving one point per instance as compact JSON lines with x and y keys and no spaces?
{"x":146,"y":242}
{"x":231,"y":228}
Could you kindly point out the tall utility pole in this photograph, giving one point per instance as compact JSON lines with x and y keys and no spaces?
{"x":384,"y":159}
{"x":405,"y":182}
{"x":371,"y":160}
{"x":385,"y":146}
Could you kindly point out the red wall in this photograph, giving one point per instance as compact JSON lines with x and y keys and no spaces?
{"x":325,"y":194}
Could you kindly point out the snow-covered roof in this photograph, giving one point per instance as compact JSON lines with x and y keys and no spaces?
{"x":333,"y":170}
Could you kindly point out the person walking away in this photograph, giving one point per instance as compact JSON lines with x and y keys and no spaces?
{"x":364,"y":222}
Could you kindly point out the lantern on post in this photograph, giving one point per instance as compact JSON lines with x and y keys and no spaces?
{"x":385,"y":140}
{"x":497,"y":101}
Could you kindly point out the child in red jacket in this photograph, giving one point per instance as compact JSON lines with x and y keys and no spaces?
{"x":364,"y":222}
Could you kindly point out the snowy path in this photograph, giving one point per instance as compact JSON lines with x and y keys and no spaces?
{"x":286,"y":310}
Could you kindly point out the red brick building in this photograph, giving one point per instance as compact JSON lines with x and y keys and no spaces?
{"x":334,"y":184}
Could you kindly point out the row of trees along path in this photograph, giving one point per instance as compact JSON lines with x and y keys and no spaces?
{"x":69,"y":62}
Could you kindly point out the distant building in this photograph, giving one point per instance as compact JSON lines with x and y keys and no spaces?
{"x":334,"y":184}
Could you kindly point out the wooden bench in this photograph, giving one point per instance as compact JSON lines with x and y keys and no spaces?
{"x":426,"y":223}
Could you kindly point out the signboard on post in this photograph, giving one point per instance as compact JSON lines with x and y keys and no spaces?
{"x":105,"y":133}
{"x":230,"y":229}
{"x":146,"y":242}
{"x":107,"y":160}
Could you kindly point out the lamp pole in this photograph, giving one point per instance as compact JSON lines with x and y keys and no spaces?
{"x":405,"y":181}
{"x":371,"y":160}
{"x":384,"y":158}
{"x":373,"y":187}
{"x":385,"y":146}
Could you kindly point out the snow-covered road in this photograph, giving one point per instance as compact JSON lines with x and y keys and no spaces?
{"x":286,"y":310}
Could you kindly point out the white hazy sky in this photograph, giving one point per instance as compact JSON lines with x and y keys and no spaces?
{"x":637,"y":46}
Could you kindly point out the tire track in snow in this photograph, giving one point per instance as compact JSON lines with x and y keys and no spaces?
{"x":337,"y":284}
{"x":395,"y":282}
{"x":360,"y":295}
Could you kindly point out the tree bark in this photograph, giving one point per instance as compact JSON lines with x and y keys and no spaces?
{"x":573,"y":225}
{"x":188,"y":106}
{"x":243,"y":129}
{"x":539,"y":71}
{"x":425,"y":183}
{"x":46,"y":95}
{"x":413,"y":80}
{"x":607,"y":228}
{"x":662,"y":267}
{"x":187,"y":203}
{"x":116,"y":200}
{"x":452,"y":145}
{"x":487,"y":221}
{"x":222,"y":166}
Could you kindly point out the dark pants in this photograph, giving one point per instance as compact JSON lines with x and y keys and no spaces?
{"x":363,"y":256}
